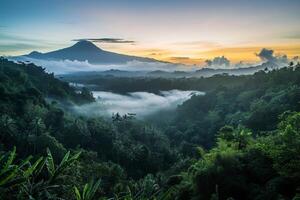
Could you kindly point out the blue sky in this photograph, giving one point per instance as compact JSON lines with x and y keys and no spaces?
{"x":161,"y":29}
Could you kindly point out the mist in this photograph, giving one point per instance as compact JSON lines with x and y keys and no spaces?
{"x":70,"y":66}
{"x":140,"y":103}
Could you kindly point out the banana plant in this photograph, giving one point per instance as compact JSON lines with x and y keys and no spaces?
{"x":55,"y":171}
{"x":14,"y":177}
{"x":9,"y":171}
{"x":12,"y":174}
{"x":88,"y":191}
{"x":43,"y":188}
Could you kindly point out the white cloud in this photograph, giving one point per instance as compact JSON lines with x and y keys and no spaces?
{"x":140,"y":103}
{"x":218,"y":62}
{"x":68,"y":66}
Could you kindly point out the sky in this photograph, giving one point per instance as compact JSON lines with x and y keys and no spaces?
{"x":183,"y":31}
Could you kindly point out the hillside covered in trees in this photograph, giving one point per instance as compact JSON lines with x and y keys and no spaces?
{"x":241,"y":140}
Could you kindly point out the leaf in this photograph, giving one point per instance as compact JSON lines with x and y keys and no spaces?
{"x":2,"y":157}
{"x":40,"y":166}
{"x":11,"y":158}
{"x":32,"y":168}
{"x":9,"y":174}
{"x":77,"y":193}
{"x":65,"y":159}
{"x":50,"y":163}
{"x":14,"y":182}
{"x":84,"y":192}
{"x":65,"y":163}
{"x":25,"y":162}
{"x":94,"y":188}
{"x":75,"y":157}
{"x":90,"y":189}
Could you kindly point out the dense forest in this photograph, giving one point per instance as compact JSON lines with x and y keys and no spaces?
{"x":241,"y":140}
{"x":151,"y":84}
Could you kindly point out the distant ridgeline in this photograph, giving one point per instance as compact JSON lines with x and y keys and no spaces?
{"x":121,"y":84}
{"x":238,"y":141}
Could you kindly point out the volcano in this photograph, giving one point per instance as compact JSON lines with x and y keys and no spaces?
{"x":87,"y":51}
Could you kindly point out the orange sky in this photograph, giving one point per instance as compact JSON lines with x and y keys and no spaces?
{"x":197,"y":53}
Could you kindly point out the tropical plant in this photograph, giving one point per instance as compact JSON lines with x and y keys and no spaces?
{"x":13,"y":175}
{"x":55,"y":171}
{"x":88,"y":192}
{"x":10,"y":175}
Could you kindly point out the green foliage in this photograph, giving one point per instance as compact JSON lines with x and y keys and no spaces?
{"x":243,"y":167}
{"x":284,"y":148}
{"x":9,"y":172}
{"x":88,"y":191}
{"x":25,"y":180}
{"x":53,"y":171}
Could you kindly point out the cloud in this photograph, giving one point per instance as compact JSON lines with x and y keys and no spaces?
{"x":240,"y":64}
{"x":108,"y":40}
{"x":218,"y":62}
{"x":140,"y":103}
{"x":295,"y":58}
{"x":180,"y":58}
{"x":69,"y":66}
{"x":268,"y":55}
{"x":154,"y":54}
{"x":265,"y":55}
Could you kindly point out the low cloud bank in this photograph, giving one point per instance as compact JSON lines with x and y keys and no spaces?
{"x":219,"y":62}
{"x":140,"y":103}
{"x":69,"y":66}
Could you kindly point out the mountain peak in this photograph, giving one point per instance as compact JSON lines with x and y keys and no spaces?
{"x":33,"y":53}
{"x":85,"y":50}
{"x":85,"y":45}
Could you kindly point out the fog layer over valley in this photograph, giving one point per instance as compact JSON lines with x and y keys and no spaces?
{"x":139,"y":103}
{"x":71,"y":66}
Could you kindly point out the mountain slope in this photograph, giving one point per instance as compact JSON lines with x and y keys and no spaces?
{"x":85,"y":50}
{"x":20,"y":80}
